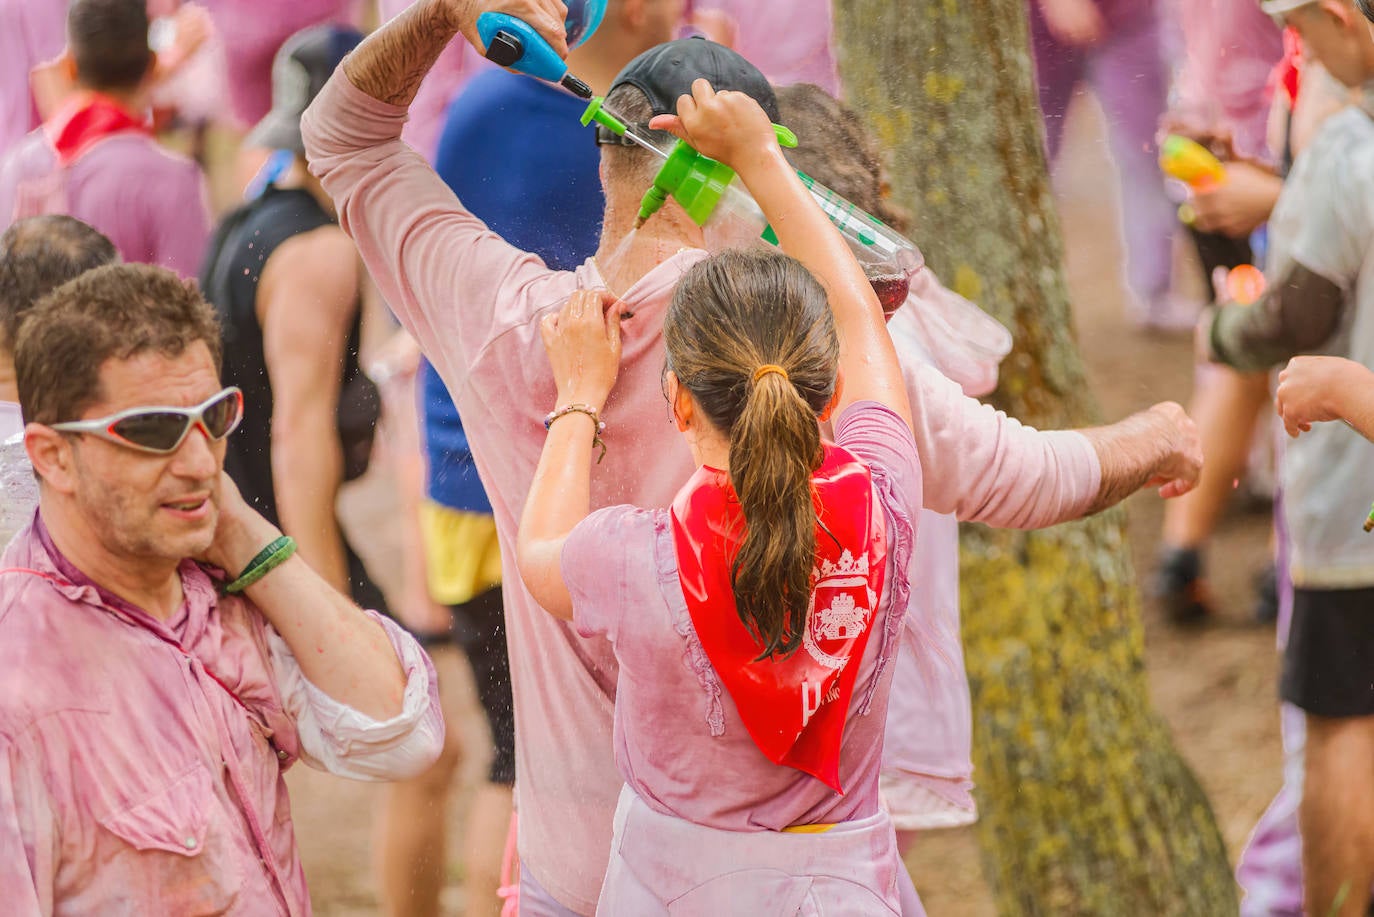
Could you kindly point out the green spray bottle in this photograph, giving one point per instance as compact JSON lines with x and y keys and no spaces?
{"x":713,"y":197}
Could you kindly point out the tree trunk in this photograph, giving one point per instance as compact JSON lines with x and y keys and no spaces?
{"x":1086,"y":806}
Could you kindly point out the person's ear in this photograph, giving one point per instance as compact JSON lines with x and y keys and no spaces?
{"x":684,"y":405}
{"x":51,"y":455}
{"x":834,"y":399}
{"x":1342,"y":12}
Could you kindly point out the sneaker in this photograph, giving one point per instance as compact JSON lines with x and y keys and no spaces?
{"x":1178,"y":586}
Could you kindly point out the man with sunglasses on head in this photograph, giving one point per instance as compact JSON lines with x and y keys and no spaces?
{"x":164,"y":657}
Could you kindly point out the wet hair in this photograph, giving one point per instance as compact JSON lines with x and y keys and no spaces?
{"x":730,"y":315}
{"x":109,"y":42}
{"x":115,"y":312}
{"x":836,"y":148}
{"x":39,"y":254}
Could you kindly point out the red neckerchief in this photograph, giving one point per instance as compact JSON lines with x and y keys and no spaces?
{"x":1287,"y":74}
{"x":796,"y":708}
{"x":84,"y":121}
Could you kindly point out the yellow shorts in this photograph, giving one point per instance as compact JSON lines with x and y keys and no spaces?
{"x":462,"y":555}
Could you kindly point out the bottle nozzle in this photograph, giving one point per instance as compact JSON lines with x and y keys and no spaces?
{"x":576,"y":86}
{"x":654,"y":198}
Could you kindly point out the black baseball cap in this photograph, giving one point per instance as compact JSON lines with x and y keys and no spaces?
{"x":666,"y":72}
{"x":301,"y":68}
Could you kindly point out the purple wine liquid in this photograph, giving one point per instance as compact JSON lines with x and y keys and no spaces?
{"x":892,"y":290}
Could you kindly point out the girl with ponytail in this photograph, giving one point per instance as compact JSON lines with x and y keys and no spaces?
{"x":754,"y":619}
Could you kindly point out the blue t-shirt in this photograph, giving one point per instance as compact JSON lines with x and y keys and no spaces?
{"x":517,"y":156}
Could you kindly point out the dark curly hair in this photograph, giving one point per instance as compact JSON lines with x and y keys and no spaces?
{"x":114,"y":312}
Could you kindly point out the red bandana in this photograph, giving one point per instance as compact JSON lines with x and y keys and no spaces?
{"x":796,"y":708}
{"x":86,"y":120}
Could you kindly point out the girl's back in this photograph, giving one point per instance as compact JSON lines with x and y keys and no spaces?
{"x":680,"y":740}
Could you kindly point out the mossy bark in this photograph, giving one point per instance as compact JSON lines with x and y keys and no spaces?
{"x":1086,"y":806}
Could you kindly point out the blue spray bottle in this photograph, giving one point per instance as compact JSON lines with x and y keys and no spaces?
{"x":513,"y":43}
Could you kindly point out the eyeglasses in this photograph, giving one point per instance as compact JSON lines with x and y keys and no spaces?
{"x":162,"y":430}
{"x":607,"y":137}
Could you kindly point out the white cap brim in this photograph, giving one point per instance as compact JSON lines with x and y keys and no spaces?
{"x":1279,"y":7}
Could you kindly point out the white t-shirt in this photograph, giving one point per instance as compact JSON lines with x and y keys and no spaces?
{"x":18,"y":486}
{"x":1324,"y":220}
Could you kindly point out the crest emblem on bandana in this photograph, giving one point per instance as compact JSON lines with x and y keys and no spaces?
{"x":841,"y":609}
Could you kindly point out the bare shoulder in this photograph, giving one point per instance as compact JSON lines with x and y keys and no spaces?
{"x":319,"y":267}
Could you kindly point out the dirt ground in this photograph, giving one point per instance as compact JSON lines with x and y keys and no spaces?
{"x":1214,"y":686}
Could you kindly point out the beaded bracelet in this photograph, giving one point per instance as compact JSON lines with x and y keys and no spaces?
{"x":581,"y":409}
{"x":268,"y":559}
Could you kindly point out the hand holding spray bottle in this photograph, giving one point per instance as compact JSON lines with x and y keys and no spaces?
{"x":513,"y":43}
{"x":714,"y":199}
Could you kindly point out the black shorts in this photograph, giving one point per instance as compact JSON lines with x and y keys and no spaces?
{"x":1328,"y":665}
{"x":479,"y":629}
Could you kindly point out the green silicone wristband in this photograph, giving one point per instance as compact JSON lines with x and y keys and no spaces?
{"x":266,"y":560}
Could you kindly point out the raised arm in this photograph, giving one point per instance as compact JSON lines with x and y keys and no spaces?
{"x":984,"y":466}
{"x":419,"y":244}
{"x":341,"y":651}
{"x":583,"y":343}
{"x":732,"y":128}
{"x":391,"y":64}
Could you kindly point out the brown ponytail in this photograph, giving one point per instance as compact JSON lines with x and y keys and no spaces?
{"x":731,"y":315}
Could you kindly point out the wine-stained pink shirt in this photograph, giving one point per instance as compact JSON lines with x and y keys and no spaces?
{"x":474,"y":303}
{"x":142,"y":762}
{"x":149,"y":201}
{"x":251,"y":32}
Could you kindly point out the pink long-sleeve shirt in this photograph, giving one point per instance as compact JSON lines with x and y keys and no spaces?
{"x":142,"y":762}
{"x":474,"y":303}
